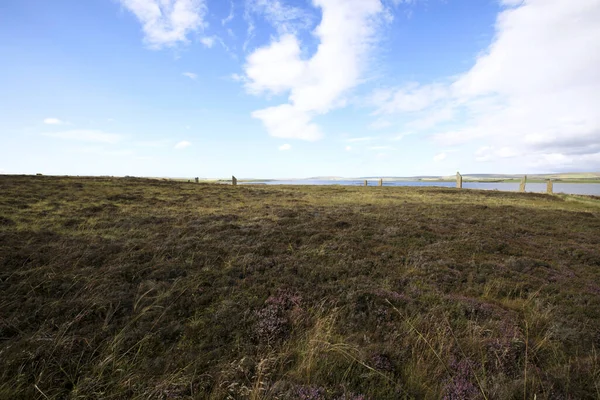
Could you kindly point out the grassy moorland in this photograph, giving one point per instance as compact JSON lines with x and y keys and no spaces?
{"x":132,"y":288}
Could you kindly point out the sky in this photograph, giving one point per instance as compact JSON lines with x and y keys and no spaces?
{"x":299,"y":88}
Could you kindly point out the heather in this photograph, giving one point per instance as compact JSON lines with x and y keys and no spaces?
{"x":135,"y":288}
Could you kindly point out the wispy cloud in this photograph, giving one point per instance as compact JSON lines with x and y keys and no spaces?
{"x":190,"y":75}
{"x":208,"y":41}
{"x":439,"y":157}
{"x":288,"y":122}
{"x":53,"y":121}
{"x":83,"y":135}
{"x":229,"y":17}
{"x":182,"y":145}
{"x":167,"y":22}
{"x":346,"y":31}
{"x":284,"y":18}
{"x":238,"y":77}
{"x":285,"y":147}
{"x":410,"y":98}
{"x":489,"y":153}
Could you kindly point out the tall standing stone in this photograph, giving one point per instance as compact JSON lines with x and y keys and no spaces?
{"x":380,"y":182}
{"x":523,"y":184}
{"x":197,"y":180}
{"x":458,"y":180}
{"x":233,"y":180}
{"x":549,"y":187}
{"x":366,"y":183}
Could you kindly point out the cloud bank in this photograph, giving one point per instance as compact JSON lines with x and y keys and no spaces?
{"x":533,"y":94}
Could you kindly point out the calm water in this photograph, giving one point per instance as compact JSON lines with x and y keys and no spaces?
{"x":569,"y":188}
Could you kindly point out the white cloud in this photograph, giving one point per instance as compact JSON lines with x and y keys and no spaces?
{"x":285,"y":18}
{"x":315,"y":85}
{"x":182,"y":145}
{"x":285,"y":147}
{"x":439,"y":157}
{"x":432,"y":117}
{"x":489,"y":153}
{"x":208,"y":41}
{"x":348,"y":148}
{"x":238,"y":78}
{"x":53,"y":121}
{"x":82,"y":135}
{"x":532,"y":96}
{"x":411,"y":98}
{"x":167,"y":22}
{"x":276,"y":68}
{"x":190,"y":75}
{"x":229,"y":17}
{"x":287,"y":122}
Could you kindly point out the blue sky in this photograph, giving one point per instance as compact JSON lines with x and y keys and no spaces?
{"x":299,"y":88}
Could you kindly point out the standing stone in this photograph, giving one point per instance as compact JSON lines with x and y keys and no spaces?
{"x":366,"y":183}
{"x":380,"y":182}
{"x":233,"y":180}
{"x":458,"y":180}
{"x":523,"y":184}
{"x":197,"y":180}
{"x":549,"y":187}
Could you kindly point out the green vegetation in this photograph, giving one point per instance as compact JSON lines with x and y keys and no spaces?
{"x":135,"y":288}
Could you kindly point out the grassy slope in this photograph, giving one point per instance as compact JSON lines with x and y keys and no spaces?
{"x":125,"y":288}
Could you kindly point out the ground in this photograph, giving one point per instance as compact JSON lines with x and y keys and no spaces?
{"x":133,"y":288}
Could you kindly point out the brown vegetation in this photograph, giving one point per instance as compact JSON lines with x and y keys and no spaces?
{"x":132,"y":288}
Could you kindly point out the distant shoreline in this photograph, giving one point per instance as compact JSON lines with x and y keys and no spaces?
{"x":592,"y":178}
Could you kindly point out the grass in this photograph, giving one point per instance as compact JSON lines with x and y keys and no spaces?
{"x":133,"y":288}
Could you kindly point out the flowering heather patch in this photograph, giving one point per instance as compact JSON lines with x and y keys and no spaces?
{"x":461,"y":386}
{"x":475,"y":308}
{"x":351,"y":396}
{"x":274,"y":320}
{"x":310,"y":393}
{"x":382,"y":362}
{"x":594,"y":288}
{"x":391,"y":295}
{"x":504,"y":349}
